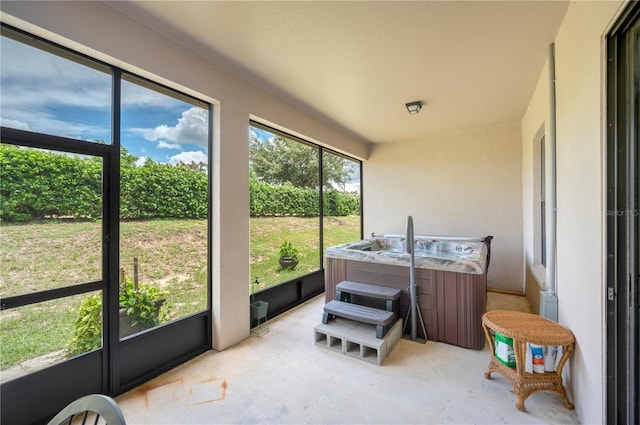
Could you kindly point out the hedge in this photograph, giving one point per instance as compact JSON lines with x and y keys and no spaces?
{"x":275,"y":200}
{"x":162,"y":190}
{"x":36,"y":184}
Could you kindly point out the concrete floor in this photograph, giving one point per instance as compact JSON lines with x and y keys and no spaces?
{"x":282,"y":378}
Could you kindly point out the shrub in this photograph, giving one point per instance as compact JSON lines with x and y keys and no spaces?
{"x":282,"y":200}
{"x":38,"y":184}
{"x":163,"y":191}
{"x":139,"y":303}
{"x":88,"y":326}
{"x":287,"y":250}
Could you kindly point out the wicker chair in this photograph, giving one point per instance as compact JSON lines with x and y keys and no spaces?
{"x":94,"y":409}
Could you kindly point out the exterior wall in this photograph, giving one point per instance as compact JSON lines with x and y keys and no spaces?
{"x":102,"y":32}
{"x":463,"y":183}
{"x":581,"y":176}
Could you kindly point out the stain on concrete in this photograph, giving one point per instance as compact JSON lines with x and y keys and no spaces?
{"x":187,"y":392}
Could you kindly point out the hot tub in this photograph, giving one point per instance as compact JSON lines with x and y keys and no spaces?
{"x":465,"y":255}
{"x":450,"y":274}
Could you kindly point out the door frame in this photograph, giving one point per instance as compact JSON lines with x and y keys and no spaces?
{"x":622,"y":227}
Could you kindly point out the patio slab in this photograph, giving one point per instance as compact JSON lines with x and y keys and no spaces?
{"x":283,"y":378}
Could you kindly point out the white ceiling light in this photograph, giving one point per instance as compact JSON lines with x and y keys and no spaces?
{"x":414,"y":107}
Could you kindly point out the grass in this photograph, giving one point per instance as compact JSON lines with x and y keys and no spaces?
{"x":49,"y":255}
{"x":172,"y":255}
{"x":35,"y":330}
{"x":268,"y":233}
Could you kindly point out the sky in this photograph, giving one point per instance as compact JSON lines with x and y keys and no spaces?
{"x":44,"y":93}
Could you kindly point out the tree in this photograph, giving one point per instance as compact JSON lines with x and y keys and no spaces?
{"x":281,"y":160}
{"x":127,"y":159}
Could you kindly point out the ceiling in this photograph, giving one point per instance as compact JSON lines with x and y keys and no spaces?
{"x":356,"y":64}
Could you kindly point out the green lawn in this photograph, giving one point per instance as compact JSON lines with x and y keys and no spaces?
{"x":267,"y":234}
{"x":172,"y":256}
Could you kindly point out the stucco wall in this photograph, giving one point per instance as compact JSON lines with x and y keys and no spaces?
{"x":104,"y":33}
{"x":534,"y":122}
{"x":580,"y":180}
{"x":463,"y":183}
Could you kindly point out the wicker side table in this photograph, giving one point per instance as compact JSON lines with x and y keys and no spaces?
{"x":523,"y":328}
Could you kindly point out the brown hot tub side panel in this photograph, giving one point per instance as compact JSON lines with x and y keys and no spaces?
{"x":334,"y":273}
{"x":461,"y":302}
{"x":451,"y":303}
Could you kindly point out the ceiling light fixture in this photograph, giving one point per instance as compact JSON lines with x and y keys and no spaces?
{"x":414,"y":107}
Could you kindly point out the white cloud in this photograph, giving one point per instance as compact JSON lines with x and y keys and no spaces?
{"x":37,"y":85}
{"x":189,"y":157}
{"x":20,"y":125}
{"x":45,"y":93}
{"x":192,"y":127}
{"x":32,"y":78}
{"x":164,"y":145}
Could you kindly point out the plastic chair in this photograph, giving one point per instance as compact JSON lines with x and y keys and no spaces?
{"x":93,"y":409}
